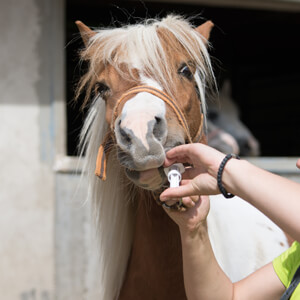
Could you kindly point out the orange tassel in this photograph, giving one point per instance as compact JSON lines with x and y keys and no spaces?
{"x":102,"y":156}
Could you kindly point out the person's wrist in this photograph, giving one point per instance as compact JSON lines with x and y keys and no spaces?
{"x":222,"y":189}
{"x":233,"y":170}
{"x":199,"y":231}
{"x":214,"y":167}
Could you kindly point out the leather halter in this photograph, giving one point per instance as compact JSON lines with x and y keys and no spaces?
{"x":107,"y":143}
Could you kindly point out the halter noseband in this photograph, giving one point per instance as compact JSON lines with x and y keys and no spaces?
{"x":107,"y":143}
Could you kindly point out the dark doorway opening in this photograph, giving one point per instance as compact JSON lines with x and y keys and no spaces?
{"x":257,"y":50}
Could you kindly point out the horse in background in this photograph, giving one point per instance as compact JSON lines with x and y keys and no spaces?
{"x":225,"y":130}
{"x":145,"y":88}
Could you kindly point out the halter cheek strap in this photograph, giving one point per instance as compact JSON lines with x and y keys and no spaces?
{"x":107,"y":143}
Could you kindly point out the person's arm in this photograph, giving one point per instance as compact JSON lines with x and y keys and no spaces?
{"x":275,"y":196}
{"x":204,"y":279}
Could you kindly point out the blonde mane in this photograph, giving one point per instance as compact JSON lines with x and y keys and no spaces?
{"x":133,"y":47}
{"x":140,"y":47}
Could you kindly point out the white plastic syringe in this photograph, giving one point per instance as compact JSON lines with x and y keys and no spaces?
{"x":174,"y":174}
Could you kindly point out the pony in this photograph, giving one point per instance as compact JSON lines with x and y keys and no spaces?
{"x":221,"y":140}
{"x":225,"y":130}
{"x":145,"y":88}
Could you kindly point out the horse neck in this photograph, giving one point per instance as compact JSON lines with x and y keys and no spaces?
{"x":155,"y":265}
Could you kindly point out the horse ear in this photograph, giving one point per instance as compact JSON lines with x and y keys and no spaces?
{"x":205,"y":29}
{"x":85,"y":32}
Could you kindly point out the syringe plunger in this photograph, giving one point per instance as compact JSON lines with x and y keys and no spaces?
{"x":174,"y":174}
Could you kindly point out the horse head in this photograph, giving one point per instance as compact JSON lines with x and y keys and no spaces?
{"x":152,"y":79}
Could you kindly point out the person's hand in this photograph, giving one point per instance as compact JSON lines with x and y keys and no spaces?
{"x":190,"y":220}
{"x":200,"y":179}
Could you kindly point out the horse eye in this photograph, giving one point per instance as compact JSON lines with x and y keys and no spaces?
{"x":186,"y":72}
{"x":101,"y":89}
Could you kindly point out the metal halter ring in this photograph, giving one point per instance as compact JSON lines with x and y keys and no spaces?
{"x":177,"y":206}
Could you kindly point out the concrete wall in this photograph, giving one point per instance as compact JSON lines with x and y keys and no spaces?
{"x":75,"y":243}
{"x":46,"y":248}
{"x":31,"y":73}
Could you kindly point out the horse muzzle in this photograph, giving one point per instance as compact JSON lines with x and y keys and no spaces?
{"x":142,"y":135}
{"x":140,"y":138}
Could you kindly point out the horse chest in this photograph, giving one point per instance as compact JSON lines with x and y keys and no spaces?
{"x":155,"y":265}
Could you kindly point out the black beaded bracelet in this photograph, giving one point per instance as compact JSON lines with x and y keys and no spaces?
{"x":220,"y":172}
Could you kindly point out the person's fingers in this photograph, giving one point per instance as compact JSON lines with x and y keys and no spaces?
{"x":191,"y":173}
{"x":184,"y":182}
{"x":176,"y":159}
{"x":184,"y":150}
{"x":178,"y":192}
{"x":181,"y":154}
{"x":195,"y":198}
{"x":171,"y":202}
{"x":168,"y":162}
{"x":190,"y":201}
{"x":177,"y":151}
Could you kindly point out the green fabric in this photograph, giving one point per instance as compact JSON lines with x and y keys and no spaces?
{"x":286,"y":265}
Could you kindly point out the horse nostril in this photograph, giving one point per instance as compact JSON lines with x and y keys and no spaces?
{"x":157,"y":119}
{"x":125,"y":137}
{"x":159,"y":128}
